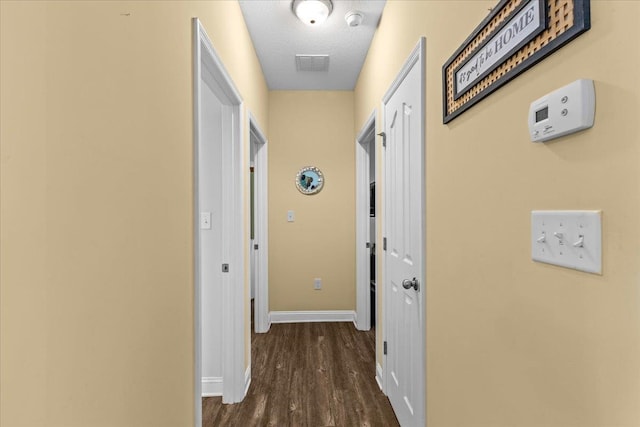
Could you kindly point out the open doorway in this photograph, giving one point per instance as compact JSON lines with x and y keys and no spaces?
{"x":366,"y":226}
{"x":218,"y":224}
{"x":258,"y":227}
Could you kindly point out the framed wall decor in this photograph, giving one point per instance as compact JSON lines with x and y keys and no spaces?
{"x":515,"y":36}
{"x":309,"y":180}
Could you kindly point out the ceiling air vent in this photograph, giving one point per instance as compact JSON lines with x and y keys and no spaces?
{"x":312,"y":62}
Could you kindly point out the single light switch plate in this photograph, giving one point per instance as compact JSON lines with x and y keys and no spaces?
{"x":291,"y":216}
{"x":205,"y":220}
{"x":571,"y":239}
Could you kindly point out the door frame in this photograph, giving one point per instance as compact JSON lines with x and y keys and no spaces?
{"x":417,"y":55}
{"x":207,"y":64}
{"x":261,"y":176}
{"x":363,"y":294}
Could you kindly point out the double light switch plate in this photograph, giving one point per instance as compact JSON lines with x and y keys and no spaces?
{"x":571,"y":239}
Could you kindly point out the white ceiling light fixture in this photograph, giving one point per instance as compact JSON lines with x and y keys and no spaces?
{"x":312,"y":12}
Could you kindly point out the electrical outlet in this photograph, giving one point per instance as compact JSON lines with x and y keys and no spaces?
{"x":317,"y":284}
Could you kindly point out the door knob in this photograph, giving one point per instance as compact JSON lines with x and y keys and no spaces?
{"x":408,"y":284}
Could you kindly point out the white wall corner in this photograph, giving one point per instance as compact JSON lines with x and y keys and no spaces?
{"x":313,"y":316}
{"x":211,"y":386}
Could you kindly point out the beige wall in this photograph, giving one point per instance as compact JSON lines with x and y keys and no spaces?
{"x":311,"y":128}
{"x":511,"y":342}
{"x":96,"y":246}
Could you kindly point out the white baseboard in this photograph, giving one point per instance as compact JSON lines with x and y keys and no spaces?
{"x":211,"y":386}
{"x":379,"y":376}
{"x":247,"y":379}
{"x":312,"y":316}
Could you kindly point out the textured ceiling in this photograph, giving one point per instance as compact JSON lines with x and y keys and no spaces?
{"x":278,"y":36}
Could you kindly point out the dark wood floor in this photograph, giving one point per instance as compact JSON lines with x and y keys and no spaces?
{"x":308,"y":374}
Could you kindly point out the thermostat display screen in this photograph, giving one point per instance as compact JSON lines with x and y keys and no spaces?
{"x":542,"y":114}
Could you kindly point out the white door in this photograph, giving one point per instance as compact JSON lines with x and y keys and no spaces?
{"x":210,"y":235}
{"x":404,"y":226}
{"x":259,"y":244}
{"x":219,"y":229}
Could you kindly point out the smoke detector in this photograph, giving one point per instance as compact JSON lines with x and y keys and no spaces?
{"x":353,"y":18}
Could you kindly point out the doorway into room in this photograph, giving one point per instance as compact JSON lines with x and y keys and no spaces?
{"x":258,"y":227}
{"x":366,"y":226}
{"x":218,"y":227}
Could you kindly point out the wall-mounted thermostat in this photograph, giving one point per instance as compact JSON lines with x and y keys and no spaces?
{"x":563,"y":111}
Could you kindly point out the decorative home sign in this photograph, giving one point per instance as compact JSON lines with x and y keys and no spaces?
{"x":516,"y":35}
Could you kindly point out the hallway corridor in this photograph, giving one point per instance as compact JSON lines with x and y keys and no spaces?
{"x":308,"y":374}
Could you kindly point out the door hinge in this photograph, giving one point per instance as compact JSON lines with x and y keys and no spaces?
{"x":255,"y":246}
{"x":225,"y":268}
{"x":384,"y":243}
{"x":384,"y":348}
{"x":384,"y":138}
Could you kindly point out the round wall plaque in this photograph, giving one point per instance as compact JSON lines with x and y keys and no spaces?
{"x":309,"y":180}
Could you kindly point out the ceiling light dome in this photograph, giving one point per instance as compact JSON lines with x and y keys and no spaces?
{"x":312,"y":12}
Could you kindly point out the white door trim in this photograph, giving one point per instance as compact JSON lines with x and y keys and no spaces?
{"x":363,"y":294}
{"x":262,"y":318}
{"x":417,"y":55}
{"x":207,"y":64}
{"x":197,"y":312}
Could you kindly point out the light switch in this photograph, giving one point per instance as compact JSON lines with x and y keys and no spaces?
{"x":205,"y":220}
{"x":291,"y":216}
{"x":571,"y":239}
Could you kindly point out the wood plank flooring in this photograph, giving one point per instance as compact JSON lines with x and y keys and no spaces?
{"x":308,"y":374}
